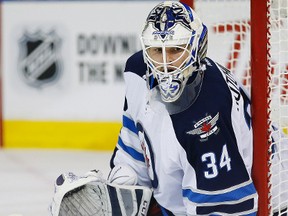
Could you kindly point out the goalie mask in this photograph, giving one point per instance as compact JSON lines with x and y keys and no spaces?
{"x":174,"y":41}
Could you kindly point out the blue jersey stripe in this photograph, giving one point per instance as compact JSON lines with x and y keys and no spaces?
{"x":135,"y":154}
{"x":234,"y":209}
{"x":129,"y":123}
{"x":234,"y":195}
{"x":165,"y":212}
{"x":252,"y":214}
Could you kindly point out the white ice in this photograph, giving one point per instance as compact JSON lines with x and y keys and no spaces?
{"x":27,"y":176}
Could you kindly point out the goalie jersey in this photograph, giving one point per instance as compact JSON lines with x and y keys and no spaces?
{"x":196,"y":153}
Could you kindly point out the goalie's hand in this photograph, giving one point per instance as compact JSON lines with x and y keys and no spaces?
{"x":90,"y":195}
{"x":67,"y":187}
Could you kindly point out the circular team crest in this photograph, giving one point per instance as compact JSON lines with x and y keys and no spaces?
{"x":148,"y":154}
{"x":39,"y":62}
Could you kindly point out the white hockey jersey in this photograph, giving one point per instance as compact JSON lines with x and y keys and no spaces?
{"x":196,"y":153}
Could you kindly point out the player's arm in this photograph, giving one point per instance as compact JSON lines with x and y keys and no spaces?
{"x":128,"y":151}
{"x":128,"y":161}
{"x":245,"y":136}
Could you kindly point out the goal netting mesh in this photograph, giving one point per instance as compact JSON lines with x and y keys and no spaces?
{"x":229,"y":43}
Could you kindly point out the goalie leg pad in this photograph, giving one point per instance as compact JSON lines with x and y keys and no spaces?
{"x":129,"y":200}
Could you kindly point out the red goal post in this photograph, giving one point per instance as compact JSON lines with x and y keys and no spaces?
{"x":260,"y":101}
{"x":250,"y":38}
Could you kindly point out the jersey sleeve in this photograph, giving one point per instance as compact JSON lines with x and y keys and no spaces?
{"x":128,"y":149}
{"x":245,"y":135}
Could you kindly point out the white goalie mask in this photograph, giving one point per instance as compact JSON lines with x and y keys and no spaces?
{"x":174,"y":41}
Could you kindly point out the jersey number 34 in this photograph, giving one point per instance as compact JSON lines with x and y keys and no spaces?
{"x":214,"y":165}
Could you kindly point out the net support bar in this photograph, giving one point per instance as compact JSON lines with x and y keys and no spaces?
{"x":259,"y":91}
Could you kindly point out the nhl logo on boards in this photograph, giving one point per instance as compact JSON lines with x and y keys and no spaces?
{"x":39,"y":62}
{"x":205,"y":127}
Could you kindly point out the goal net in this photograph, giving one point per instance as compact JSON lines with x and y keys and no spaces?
{"x":251,"y":39}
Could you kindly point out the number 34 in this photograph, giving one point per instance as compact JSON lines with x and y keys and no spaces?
{"x":212,"y":164}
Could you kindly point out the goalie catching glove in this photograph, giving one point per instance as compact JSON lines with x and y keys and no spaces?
{"x":91,"y":195}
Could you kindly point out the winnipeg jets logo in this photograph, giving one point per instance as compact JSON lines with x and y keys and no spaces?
{"x":148,"y":154}
{"x":145,"y":153}
{"x":164,"y":18}
{"x":205,"y":127}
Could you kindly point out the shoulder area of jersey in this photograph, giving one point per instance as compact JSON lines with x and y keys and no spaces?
{"x":135,"y":64}
{"x":208,"y":62}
